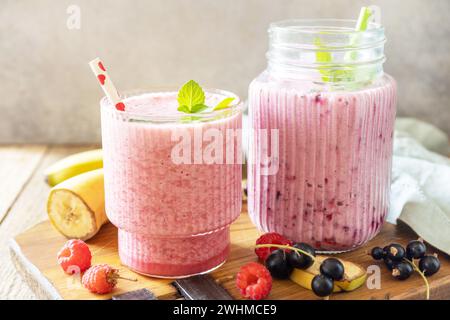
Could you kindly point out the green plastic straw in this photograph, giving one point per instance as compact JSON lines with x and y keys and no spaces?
{"x":361,"y":25}
{"x":326,"y":57}
{"x":363,"y":20}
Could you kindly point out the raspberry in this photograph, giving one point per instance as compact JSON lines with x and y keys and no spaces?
{"x":254,"y":281}
{"x":270,"y":238}
{"x":74,"y":256}
{"x":100,"y":278}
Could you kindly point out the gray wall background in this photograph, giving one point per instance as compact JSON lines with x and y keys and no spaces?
{"x":48,"y":93}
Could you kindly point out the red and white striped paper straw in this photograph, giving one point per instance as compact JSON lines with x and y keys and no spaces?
{"x":107,"y":85}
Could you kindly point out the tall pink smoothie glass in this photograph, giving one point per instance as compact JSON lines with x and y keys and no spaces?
{"x":171,"y":199}
{"x":330,"y":107}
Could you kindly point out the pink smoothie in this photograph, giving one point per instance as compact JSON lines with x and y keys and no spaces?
{"x":173,"y":219}
{"x":335,"y":151}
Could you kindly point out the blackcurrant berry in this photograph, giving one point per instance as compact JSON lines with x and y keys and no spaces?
{"x":278,"y":265}
{"x":300,"y":260}
{"x":415,"y":249}
{"x":396,"y":252}
{"x":390,"y":264}
{"x":377,"y":253}
{"x":429,"y":265}
{"x":332,"y":268}
{"x":402,"y":270}
{"x":322,"y":286}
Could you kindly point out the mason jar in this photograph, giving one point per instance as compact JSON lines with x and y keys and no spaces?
{"x":322,"y":118}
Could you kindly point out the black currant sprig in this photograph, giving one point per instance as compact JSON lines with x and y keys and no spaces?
{"x":332,"y":268}
{"x":429,"y":264}
{"x":427,"y":285}
{"x":402,"y":271}
{"x":322,"y":286}
{"x":301,"y":261}
{"x":415,"y":249}
{"x":402,"y":264}
{"x":280,"y":265}
{"x":287,"y":247}
{"x":377,"y":253}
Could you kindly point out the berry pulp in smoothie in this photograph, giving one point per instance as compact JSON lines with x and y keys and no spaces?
{"x":331,"y":189}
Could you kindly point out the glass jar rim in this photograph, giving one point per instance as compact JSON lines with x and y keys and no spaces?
{"x":333,"y":34}
{"x":326,"y":51}
{"x":305,"y":26}
{"x":204,"y":116}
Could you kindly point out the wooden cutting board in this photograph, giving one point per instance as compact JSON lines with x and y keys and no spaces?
{"x":34,"y":254}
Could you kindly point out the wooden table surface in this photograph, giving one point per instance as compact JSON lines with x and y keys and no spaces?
{"x":23,"y":195}
{"x":22,"y":203}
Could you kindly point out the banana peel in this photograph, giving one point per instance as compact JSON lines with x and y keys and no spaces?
{"x":354,"y":276}
{"x":76,"y":207}
{"x":73,"y":165}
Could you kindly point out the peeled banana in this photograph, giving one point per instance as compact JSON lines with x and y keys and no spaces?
{"x":76,"y":207}
{"x":354,"y":276}
{"x":73,"y":165}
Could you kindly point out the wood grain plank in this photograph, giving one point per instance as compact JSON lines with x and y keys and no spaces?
{"x":40,"y":252}
{"x":17,"y":164}
{"x":27,"y":210}
{"x":413,"y":288}
{"x":34,"y":254}
{"x":104,"y":250}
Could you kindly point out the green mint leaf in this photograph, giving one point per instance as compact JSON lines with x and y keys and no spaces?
{"x":183,"y":109}
{"x":187,"y":119}
{"x":198,"y":108}
{"x":225,"y":103}
{"x":190,"y":95}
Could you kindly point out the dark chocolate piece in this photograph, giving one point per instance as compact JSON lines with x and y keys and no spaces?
{"x":202,"y":287}
{"x":141,"y":294}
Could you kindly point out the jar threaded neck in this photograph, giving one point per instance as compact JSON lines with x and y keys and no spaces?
{"x":326,"y":50}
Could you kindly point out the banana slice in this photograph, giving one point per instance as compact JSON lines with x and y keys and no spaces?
{"x":76,"y":207}
{"x":354,"y":276}
{"x":73,"y":165}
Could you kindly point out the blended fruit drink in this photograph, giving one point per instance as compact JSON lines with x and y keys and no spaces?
{"x":326,"y":102}
{"x":172,"y":205}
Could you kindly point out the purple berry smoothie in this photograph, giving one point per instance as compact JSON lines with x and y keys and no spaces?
{"x":335,"y":149}
{"x":326,"y":101}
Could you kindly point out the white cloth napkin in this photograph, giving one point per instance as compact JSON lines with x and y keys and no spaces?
{"x":420,"y":191}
